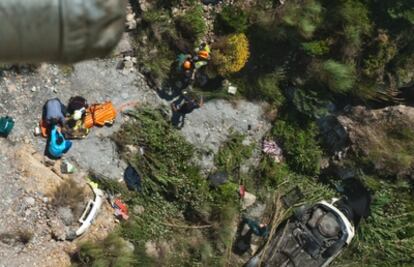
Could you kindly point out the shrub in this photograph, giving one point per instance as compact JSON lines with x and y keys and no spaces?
{"x":300,"y":147}
{"x":338,"y":77}
{"x":232,"y":19}
{"x":272,"y":173}
{"x":69,"y":194}
{"x":231,"y":54}
{"x":232,"y":153}
{"x":310,"y":103}
{"x":316,"y":48}
{"x":268,"y":87}
{"x":110,"y":252}
{"x":354,"y":16}
{"x":375,"y":64}
{"x":305,"y":17}
{"x":192,"y":23}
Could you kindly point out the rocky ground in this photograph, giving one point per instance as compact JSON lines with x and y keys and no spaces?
{"x":26,"y":182}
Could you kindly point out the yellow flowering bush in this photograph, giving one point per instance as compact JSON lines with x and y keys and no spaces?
{"x":231,"y":54}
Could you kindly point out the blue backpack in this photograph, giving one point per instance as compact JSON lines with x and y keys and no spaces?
{"x":6,"y":126}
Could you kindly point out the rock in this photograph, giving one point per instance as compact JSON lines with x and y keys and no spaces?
{"x":129,"y":246}
{"x":29,"y":201}
{"x":145,"y":5}
{"x":124,"y":46}
{"x":131,"y":149}
{"x":151,"y":249}
{"x":11,"y":87}
{"x":248,"y":200}
{"x":57,"y":229}
{"x":253,"y":248}
{"x":373,"y":137}
{"x":34,"y":89}
{"x":66,"y":215}
{"x":256,"y":211}
{"x":138,"y":209}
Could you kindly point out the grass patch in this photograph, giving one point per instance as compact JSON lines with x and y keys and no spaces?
{"x":300,"y":146}
{"x":386,"y":238}
{"x":233,"y":153}
{"x":192,"y":24}
{"x":69,"y":194}
{"x":112,"y":251}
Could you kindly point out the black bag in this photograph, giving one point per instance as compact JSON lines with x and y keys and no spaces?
{"x":132,"y":179}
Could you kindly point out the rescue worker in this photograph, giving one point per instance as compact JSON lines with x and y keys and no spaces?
{"x":202,"y":56}
{"x":185,"y":105}
{"x":185,"y":70}
{"x":243,"y":242}
{"x":57,"y":145}
{"x":54,"y":112}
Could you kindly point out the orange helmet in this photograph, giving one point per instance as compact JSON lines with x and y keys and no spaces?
{"x":187,"y":65}
{"x":203,"y":54}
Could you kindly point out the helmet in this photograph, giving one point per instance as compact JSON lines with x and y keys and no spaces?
{"x":203,"y":54}
{"x":187,"y":65}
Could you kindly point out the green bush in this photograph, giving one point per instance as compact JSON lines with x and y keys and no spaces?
{"x":110,"y":252}
{"x":300,"y":147}
{"x":304,"y":17}
{"x":192,"y":24}
{"x":354,"y":16}
{"x":310,"y":103}
{"x":232,"y":153}
{"x":338,"y":77}
{"x":272,"y":173}
{"x":232,"y":19}
{"x":268,"y":87}
{"x":315,"y":48}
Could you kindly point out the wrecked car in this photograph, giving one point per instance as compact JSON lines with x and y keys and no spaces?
{"x":315,"y":235}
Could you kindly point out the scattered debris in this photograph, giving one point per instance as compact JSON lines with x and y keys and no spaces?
{"x":67,"y":167}
{"x":121,"y":209}
{"x":91,"y":210}
{"x":273,"y":150}
{"x":132,"y":179}
{"x":6,"y":126}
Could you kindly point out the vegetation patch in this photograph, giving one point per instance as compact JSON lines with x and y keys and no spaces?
{"x":300,"y":146}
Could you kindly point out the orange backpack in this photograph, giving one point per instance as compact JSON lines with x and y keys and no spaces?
{"x":100,"y":115}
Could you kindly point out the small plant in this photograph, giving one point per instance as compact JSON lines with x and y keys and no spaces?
{"x":68,"y":194}
{"x":268,"y":87}
{"x":232,"y":19}
{"x":310,"y":103}
{"x":304,"y":17}
{"x":67,"y":69}
{"x":192,"y":23}
{"x":300,"y":148}
{"x":110,"y":252}
{"x":25,"y":236}
{"x":338,"y":77}
{"x":315,"y":48}
{"x":231,"y":54}
{"x":232,"y":153}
